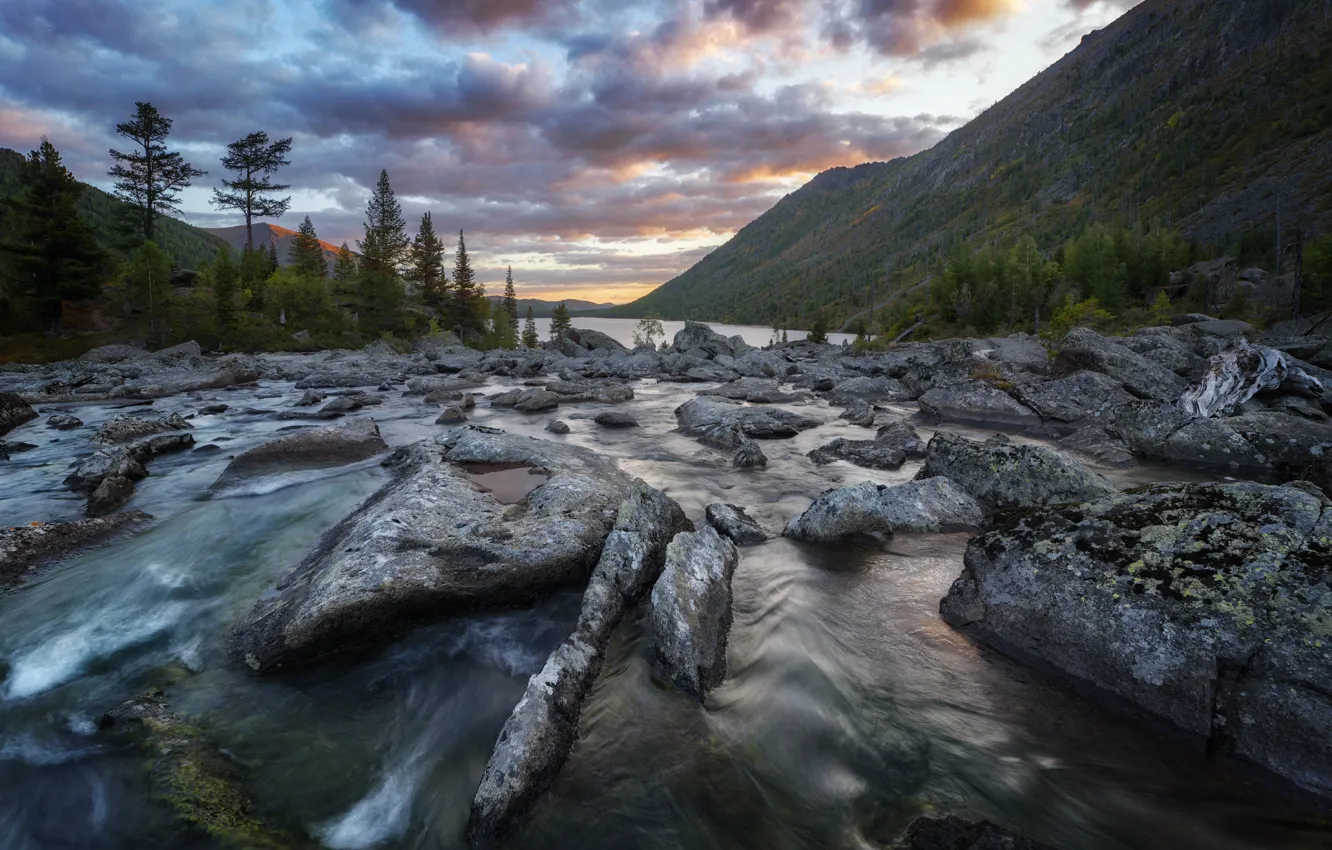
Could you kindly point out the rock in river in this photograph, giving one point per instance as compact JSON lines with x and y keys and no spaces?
{"x":1001,"y":474}
{"x":949,"y":832}
{"x":615,"y":420}
{"x":691,"y":610}
{"x":732,"y":521}
{"x":876,"y":511}
{"x":1206,"y":605}
{"x":14,"y":411}
{"x":25,"y":547}
{"x":313,"y":448}
{"x":871,"y":454}
{"x":977,"y":403}
{"x":432,"y":543}
{"x":761,"y":423}
{"x":122,"y":429}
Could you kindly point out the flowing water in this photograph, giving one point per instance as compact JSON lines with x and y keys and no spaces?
{"x":848,"y":708}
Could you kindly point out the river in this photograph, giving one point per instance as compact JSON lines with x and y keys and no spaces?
{"x":848,"y":708}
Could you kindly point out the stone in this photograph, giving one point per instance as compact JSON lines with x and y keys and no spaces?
{"x":868,"y":389}
{"x":876,"y":511}
{"x":596,"y":341}
{"x":949,"y":832}
{"x":63,"y":422}
{"x":536,"y":401}
{"x":859,"y":412}
{"x":213,"y":409}
{"x":748,"y":455}
{"x":903,"y":438}
{"x":541,"y":731}
{"x":616,"y":420}
{"x":700,"y":338}
{"x":1099,"y":446}
{"x":115,"y":353}
{"x":430,"y":544}
{"x":1159,"y":431}
{"x":761,"y":423}
{"x":452,"y":415}
{"x":977,"y":403}
{"x":1084,"y":348}
{"x":690,"y":616}
{"x":107,"y":476}
{"x":342,"y":404}
{"x":14,"y":411}
{"x":313,"y":448}
{"x":310,"y":399}
{"x":111,"y":492}
{"x":183,"y":351}
{"x":743,"y":389}
{"x":557,"y":426}
{"x":871,"y":454}
{"x":123,"y":429}
{"x":732,"y":522}
{"x":25,"y":548}
{"x":1075,"y":398}
{"x":1205,"y":605}
{"x":1002,"y":475}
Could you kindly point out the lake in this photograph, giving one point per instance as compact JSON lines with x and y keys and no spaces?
{"x":622,"y":330}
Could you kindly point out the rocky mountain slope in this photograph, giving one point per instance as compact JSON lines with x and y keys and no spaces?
{"x":1210,"y":117}
{"x":270,"y":234}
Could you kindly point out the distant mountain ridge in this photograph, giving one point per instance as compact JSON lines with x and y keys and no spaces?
{"x":187,"y":245}
{"x":266,"y":234}
{"x":1210,"y":116}
{"x":542,"y":309}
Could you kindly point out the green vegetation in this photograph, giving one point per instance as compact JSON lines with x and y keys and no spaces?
{"x":426,"y":264}
{"x":1224,"y":144}
{"x":307,"y":255}
{"x":648,"y":331}
{"x":510,"y":300}
{"x":530,"y":337}
{"x":560,"y":322}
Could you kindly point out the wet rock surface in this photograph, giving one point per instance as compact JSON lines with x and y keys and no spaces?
{"x":732,"y":522}
{"x":761,"y":423}
{"x":615,"y":420}
{"x":977,"y":403}
{"x":1002,"y":474}
{"x":871,"y":454}
{"x":1204,"y":605}
{"x":874,"y":512}
{"x":903,"y":438}
{"x":690,"y":614}
{"x":949,"y":832}
{"x":25,"y":548}
{"x":108,"y":475}
{"x":314,"y":448}
{"x":14,"y":411}
{"x":122,"y":429}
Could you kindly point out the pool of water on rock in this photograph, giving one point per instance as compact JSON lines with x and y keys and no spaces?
{"x":849,"y":705}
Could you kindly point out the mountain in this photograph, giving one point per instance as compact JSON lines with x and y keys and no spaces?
{"x":266,"y":234}
{"x":188,"y":246}
{"x":542,"y":309}
{"x":1210,"y":117}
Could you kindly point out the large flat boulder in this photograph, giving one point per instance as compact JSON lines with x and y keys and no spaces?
{"x":1001,"y":474}
{"x":690,"y":615}
{"x":761,"y":423}
{"x":1073,"y":398}
{"x":703,"y":341}
{"x":876,"y":511}
{"x":871,"y":454}
{"x":1160,"y":431}
{"x":432,"y":542}
{"x":315,"y":448}
{"x":1205,"y":605}
{"x":123,"y":429}
{"x":25,"y":548}
{"x":1084,"y":348}
{"x":977,"y":403}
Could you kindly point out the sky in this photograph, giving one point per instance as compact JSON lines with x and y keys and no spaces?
{"x":600,"y":147}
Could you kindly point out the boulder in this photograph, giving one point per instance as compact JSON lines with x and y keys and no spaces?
{"x":452,"y":415}
{"x":761,"y":423}
{"x":1084,"y":348}
{"x":213,"y":409}
{"x":557,"y":426}
{"x":123,"y":429}
{"x":1099,"y":446}
{"x":14,"y":411}
{"x":1001,"y":474}
{"x":616,"y":420}
{"x":431,"y":543}
{"x":107,"y":476}
{"x":115,"y":353}
{"x":63,"y":422}
{"x":1240,"y":373}
{"x":868,"y":389}
{"x":183,"y":351}
{"x":748,"y":455}
{"x":313,"y":448}
{"x":1204,"y":605}
{"x":690,"y":616}
{"x":977,"y":403}
{"x":701,"y":339}
{"x":25,"y":548}
{"x":111,"y":492}
{"x":876,"y":511}
{"x":871,"y":454}
{"x":759,"y":390}
{"x":732,"y":522}
{"x":729,"y":437}
{"x":536,"y":401}
{"x":1287,"y":442}
{"x":859,"y":412}
{"x":596,"y":341}
{"x":1160,"y":431}
{"x":540,"y":733}
{"x":903,"y":438}
{"x":310,"y":399}
{"x":949,"y":832}
{"x":1075,"y":398}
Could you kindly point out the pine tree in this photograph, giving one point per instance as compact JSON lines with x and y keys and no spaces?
{"x":345,"y":269}
{"x":559,"y":321}
{"x":426,"y":263}
{"x":385,"y":244}
{"x":530,"y":337}
{"x":307,"y":253}
{"x":54,"y":255}
{"x":254,"y":159}
{"x":501,"y":326}
{"x":225,"y":277}
{"x":254,"y":274}
{"x":466,"y":293}
{"x":271,"y":257}
{"x":150,"y":177}
{"x":510,"y":301}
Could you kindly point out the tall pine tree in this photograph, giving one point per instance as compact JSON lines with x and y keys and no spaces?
{"x":344,"y":269}
{"x":426,"y":264}
{"x":307,"y":254}
{"x":511,"y":301}
{"x":530,"y":337}
{"x":466,"y":292}
{"x":559,"y":321}
{"x":385,"y":243}
{"x":254,"y":159}
{"x":150,"y":177}
{"x":54,"y":255}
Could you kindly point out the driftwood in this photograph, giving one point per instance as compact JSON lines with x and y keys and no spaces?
{"x":909,"y":331}
{"x":1241,"y":373}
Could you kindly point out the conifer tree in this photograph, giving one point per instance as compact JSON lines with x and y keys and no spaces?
{"x":510,"y":301}
{"x":385,"y":244}
{"x":466,"y":292}
{"x":225,"y":277}
{"x":530,"y":337}
{"x":272,"y":258}
{"x":254,"y":274}
{"x":307,"y":254}
{"x":149,"y":178}
{"x":53,"y":253}
{"x":254,"y":159}
{"x":559,"y":321}
{"x":501,"y":326}
{"x":148,"y":279}
{"x":426,"y":263}
{"x":344,"y":269}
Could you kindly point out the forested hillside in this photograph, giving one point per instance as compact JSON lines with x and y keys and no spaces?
{"x":270,"y":234}
{"x":188,"y":246}
{"x":1212,"y":119}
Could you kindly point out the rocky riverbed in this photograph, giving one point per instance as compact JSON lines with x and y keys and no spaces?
{"x":594,"y":597}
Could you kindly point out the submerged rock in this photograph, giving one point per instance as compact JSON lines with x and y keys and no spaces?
{"x":430,"y":543}
{"x":539,"y":734}
{"x":691,"y":610}
{"x":63,"y":422}
{"x":314,"y":448}
{"x":875,"y":511}
{"x":1205,"y":605}
{"x":24,"y":548}
{"x":616,"y":420}
{"x":1001,"y":474}
{"x":949,"y":832}
{"x":871,"y":454}
{"x":732,"y":521}
{"x":557,"y":426}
